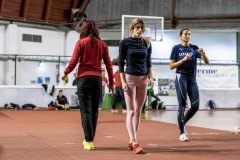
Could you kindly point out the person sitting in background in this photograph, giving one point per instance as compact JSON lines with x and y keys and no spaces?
{"x":118,"y":93}
{"x":150,"y":92}
{"x":74,"y":83}
{"x":61,"y":101}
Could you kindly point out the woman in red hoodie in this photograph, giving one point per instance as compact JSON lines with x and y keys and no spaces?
{"x":89,"y":52}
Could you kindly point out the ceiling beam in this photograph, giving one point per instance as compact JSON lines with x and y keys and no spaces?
{"x":25,"y":9}
{"x":82,"y":8}
{"x":1,"y":6}
{"x":173,"y":9}
{"x":47,"y":10}
{"x":74,"y":5}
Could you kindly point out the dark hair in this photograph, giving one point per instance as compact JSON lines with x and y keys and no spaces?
{"x":183,"y":29}
{"x":60,"y":91}
{"x":89,"y":28}
{"x":115,"y":61}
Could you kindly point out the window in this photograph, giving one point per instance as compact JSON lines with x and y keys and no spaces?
{"x":112,"y":42}
{"x":31,"y":38}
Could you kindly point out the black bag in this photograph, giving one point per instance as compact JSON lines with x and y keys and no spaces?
{"x":211,"y":104}
{"x":11,"y":106}
{"x":15,"y":106}
{"x":161,"y":106}
{"x":28,"y":106}
{"x":51,"y":104}
{"x":154,"y":104}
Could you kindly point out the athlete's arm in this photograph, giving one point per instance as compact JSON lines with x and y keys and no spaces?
{"x":150,"y":75}
{"x":123,"y":80}
{"x":174,"y":64}
{"x":205,"y":58}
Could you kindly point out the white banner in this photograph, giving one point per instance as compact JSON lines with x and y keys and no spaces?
{"x":210,"y":76}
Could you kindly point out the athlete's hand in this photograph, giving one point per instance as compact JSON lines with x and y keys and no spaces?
{"x":187,"y":57}
{"x":65,"y":78}
{"x":125,"y":87}
{"x":111,"y":90}
{"x":201,"y":51}
{"x":150,"y":82}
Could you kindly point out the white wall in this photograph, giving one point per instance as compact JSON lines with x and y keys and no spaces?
{"x":31,"y":94}
{"x":11,"y":40}
{"x":71,"y":39}
{"x":217,"y":45}
{"x":2,"y":48}
{"x":28,"y":71}
{"x":114,"y":52}
{"x":2,"y":39}
{"x":9,"y":72}
{"x":2,"y":70}
{"x":53,"y":42}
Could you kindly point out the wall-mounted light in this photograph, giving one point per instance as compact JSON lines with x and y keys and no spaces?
{"x":41,"y":63}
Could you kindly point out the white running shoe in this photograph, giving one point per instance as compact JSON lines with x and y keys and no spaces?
{"x":183,"y":138}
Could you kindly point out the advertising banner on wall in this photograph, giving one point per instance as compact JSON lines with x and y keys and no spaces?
{"x":208,"y":77}
{"x":166,"y":87}
{"x":224,"y":76}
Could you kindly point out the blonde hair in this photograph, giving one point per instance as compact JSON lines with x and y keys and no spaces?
{"x":147,"y":40}
{"x":135,"y":22}
{"x":139,"y":21}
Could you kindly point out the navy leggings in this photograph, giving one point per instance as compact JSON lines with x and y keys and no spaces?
{"x":186,"y":85}
{"x":118,"y":93}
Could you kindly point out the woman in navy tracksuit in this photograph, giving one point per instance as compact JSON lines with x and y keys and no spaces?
{"x":184,"y":59}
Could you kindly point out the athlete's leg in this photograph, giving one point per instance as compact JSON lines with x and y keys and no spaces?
{"x":130,"y":97}
{"x":135,"y":97}
{"x":142,"y":84}
{"x":96,"y":96}
{"x":181,"y":89}
{"x":193,"y":94}
{"x":155,"y":96}
{"x":84,"y":96}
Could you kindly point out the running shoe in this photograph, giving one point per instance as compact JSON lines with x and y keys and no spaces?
{"x":137,"y":149}
{"x":88,"y":145}
{"x":130,"y":146}
{"x":183,"y":138}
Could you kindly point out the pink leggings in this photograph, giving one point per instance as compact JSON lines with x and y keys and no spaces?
{"x":135,"y":98}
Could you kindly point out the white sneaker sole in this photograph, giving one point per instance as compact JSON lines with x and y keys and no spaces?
{"x":183,"y":138}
